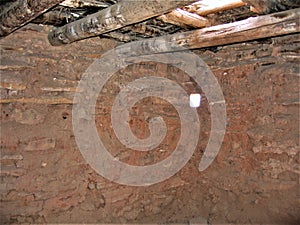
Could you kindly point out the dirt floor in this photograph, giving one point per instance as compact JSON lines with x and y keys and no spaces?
{"x":45,"y":179}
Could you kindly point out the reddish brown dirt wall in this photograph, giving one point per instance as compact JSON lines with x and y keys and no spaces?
{"x":44,"y":178}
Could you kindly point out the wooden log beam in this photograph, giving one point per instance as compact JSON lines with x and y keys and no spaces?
{"x":206,"y":7}
{"x":286,"y":22}
{"x":114,"y":17}
{"x":85,"y":3}
{"x":56,"y":17}
{"x":269,"y":6}
{"x":18,"y":13}
{"x":183,"y":18}
{"x":43,"y":101}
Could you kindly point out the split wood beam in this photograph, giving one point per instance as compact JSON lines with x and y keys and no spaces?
{"x":206,"y":7}
{"x":184,"y":18}
{"x":282,"y":23}
{"x":18,"y":13}
{"x":114,"y":17}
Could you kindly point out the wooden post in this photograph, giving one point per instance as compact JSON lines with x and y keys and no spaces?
{"x":21,"y":12}
{"x":114,"y":17}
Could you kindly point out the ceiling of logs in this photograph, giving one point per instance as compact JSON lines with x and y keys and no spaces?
{"x":127,"y":21}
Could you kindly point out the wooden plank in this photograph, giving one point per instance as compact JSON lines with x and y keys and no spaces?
{"x":18,"y":13}
{"x":114,"y":17}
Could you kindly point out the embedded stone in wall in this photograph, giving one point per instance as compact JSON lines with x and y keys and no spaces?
{"x":29,"y":117}
{"x":41,"y":144}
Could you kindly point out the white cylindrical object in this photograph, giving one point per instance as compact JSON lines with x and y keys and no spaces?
{"x":195,"y":100}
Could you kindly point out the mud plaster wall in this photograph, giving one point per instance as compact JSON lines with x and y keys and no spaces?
{"x":44,"y":178}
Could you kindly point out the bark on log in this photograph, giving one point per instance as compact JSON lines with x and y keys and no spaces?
{"x":56,"y":17}
{"x":21,"y":12}
{"x":114,"y":17}
{"x":272,"y":25}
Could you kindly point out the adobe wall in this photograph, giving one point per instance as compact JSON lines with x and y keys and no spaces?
{"x":45,"y":179}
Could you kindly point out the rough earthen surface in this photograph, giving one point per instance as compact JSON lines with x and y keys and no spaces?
{"x":45,"y":179}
